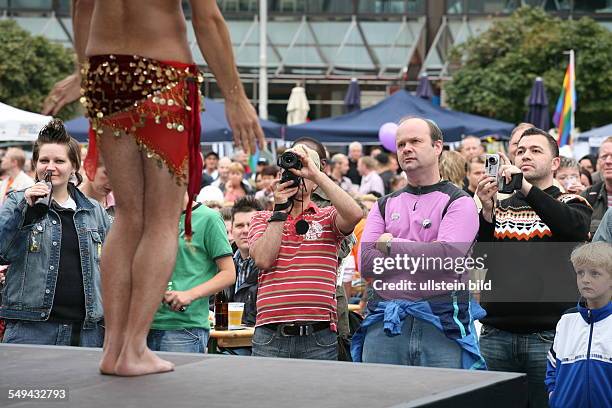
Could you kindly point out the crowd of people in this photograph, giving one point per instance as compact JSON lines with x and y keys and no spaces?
{"x":295,"y":280}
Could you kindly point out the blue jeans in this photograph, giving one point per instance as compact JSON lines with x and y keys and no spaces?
{"x":237,"y":351}
{"x":521,"y":353}
{"x":192,"y":340}
{"x":51,"y":334}
{"x":419,"y":344}
{"x":320,"y":345}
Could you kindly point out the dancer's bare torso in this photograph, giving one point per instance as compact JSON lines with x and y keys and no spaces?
{"x":149,"y":28}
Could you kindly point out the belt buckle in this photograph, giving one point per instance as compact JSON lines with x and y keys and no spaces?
{"x":304,"y":329}
{"x":282,"y":329}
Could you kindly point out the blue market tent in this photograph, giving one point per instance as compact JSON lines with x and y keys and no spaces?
{"x":363,"y":125}
{"x":214,"y":125}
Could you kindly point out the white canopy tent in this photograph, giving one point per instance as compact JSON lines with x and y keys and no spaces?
{"x":596,"y":136}
{"x":17,"y":125}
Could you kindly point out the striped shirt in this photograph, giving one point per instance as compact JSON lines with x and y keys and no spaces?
{"x":244,"y":267}
{"x":301,"y":284}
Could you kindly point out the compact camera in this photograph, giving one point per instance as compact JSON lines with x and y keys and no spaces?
{"x":492,"y":164}
{"x":286,"y":161}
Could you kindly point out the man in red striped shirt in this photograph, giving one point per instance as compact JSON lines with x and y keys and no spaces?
{"x":296,"y":304}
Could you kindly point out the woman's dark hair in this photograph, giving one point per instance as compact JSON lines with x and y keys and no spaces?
{"x":590,"y":157}
{"x":585,"y":173}
{"x":55,"y":133}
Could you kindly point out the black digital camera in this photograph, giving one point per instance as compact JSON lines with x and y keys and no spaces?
{"x":492,"y":165}
{"x":286,"y":161}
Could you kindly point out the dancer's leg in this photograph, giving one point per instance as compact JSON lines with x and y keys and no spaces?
{"x":123,"y":163}
{"x":152,"y":268}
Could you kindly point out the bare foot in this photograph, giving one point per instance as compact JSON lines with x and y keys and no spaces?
{"x":131,"y":363}
{"x":108,"y":362}
{"x":110,"y":353}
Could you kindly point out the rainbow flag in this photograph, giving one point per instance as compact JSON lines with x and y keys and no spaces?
{"x":253,"y":159}
{"x":566,"y":105}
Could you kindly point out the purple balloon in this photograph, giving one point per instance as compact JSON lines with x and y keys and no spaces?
{"x":386,"y":135}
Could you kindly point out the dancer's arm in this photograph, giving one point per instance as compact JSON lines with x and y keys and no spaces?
{"x":68,"y":89}
{"x":216,"y":47}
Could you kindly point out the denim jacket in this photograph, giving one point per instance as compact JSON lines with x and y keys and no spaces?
{"x":32,"y":249}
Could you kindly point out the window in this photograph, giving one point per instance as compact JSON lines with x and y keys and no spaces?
{"x":31,"y":4}
{"x":392,"y":6}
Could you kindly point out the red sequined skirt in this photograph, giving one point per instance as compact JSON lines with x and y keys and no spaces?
{"x":155,"y":102}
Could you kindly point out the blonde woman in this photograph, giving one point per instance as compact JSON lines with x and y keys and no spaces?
{"x":453,"y":167}
{"x":236,"y":187}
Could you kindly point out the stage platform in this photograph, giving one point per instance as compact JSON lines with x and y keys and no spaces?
{"x":232,"y":381}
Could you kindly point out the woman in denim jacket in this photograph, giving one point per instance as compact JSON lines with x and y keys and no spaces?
{"x":52,"y":291}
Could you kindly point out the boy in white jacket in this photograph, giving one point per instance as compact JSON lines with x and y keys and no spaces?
{"x":579,"y":369}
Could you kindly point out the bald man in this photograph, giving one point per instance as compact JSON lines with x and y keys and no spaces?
{"x":471,"y":147}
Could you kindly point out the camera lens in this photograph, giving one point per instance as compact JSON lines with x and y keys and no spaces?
{"x":492,"y":160}
{"x":289,"y":160}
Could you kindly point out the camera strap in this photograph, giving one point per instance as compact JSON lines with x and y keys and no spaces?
{"x":283,"y":206}
{"x":302,"y":226}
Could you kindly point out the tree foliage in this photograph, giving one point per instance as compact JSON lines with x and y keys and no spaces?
{"x":29,"y":67}
{"x":496,"y":70}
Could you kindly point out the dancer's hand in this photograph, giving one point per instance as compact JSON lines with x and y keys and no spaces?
{"x":178,"y":300}
{"x":244,"y":122}
{"x":65,"y":91}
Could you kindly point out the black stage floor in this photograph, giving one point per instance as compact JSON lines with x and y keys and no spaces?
{"x":232,"y":381}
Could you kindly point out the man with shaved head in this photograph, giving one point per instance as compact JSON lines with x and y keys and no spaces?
{"x":429,"y":215}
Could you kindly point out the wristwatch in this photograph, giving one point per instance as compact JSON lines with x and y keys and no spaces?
{"x":278,"y":216}
{"x":388,"y":246}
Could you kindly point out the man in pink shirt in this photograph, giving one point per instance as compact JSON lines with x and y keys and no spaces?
{"x":428,"y":219}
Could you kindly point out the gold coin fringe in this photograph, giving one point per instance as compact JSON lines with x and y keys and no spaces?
{"x":147,"y":80}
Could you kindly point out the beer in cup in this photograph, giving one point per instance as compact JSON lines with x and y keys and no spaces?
{"x":235,"y":310}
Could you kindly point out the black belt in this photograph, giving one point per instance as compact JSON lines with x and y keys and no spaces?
{"x":297,"y":329}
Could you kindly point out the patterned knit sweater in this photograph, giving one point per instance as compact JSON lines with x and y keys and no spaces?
{"x":520,"y":273}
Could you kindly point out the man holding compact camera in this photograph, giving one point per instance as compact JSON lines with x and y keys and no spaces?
{"x":295,"y":247}
{"x":518,"y":331}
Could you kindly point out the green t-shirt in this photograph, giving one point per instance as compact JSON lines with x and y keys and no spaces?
{"x":195,"y":264}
